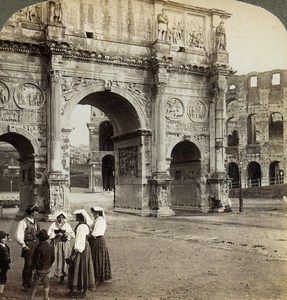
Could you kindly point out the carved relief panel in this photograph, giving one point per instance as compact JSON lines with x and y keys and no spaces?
{"x":131,"y":19}
{"x":57,"y":195}
{"x":185,"y":30}
{"x":4,"y":94}
{"x":28,"y":95}
{"x":128,"y":161}
{"x":195,"y":31}
{"x":175,"y":30}
{"x":197,"y":111}
{"x":174,"y":109}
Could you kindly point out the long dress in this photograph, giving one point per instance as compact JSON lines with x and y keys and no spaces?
{"x":81,"y":271}
{"x":100,"y":253}
{"x":62,"y":247}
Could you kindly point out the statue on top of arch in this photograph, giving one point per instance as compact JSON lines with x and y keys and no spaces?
{"x":162,"y":23}
{"x":220,"y":37}
{"x":55,"y":12}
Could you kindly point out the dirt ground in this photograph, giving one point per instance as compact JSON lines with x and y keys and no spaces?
{"x":222,"y":256}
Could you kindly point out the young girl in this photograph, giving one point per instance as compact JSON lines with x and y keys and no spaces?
{"x":4,"y":260}
{"x":60,"y":233}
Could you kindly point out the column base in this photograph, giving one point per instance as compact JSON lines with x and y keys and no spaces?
{"x":218,"y":193}
{"x":160,"y":198}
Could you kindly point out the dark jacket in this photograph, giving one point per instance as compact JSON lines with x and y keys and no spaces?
{"x":4,"y":256}
{"x":43,"y":256}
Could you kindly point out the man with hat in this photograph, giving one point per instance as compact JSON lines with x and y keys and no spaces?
{"x":26,"y":232}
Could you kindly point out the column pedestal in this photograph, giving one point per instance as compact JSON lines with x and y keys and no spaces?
{"x":218,"y":193}
{"x":58,"y":195}
{"x":160,"y":199}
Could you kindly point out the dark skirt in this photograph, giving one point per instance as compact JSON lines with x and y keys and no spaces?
{"x":81,"y":272}
{"x":101,"y":259}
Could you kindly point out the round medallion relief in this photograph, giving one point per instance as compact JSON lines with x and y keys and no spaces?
{"x":4,"y":94}
{"x":197,"y":111}
{"x":28,"y":95}
{"x":174,"y":109}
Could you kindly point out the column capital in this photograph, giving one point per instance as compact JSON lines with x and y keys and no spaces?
{"x":54,"y":75}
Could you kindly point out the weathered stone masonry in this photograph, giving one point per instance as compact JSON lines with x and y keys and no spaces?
{"x":157,"y":69}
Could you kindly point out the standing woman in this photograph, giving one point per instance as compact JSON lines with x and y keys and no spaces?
{"x":60,"y":233}
{"x":100,"y":253}
{"x":81,"y":272}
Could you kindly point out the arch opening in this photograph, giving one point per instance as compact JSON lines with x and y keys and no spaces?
{"x":233,"y":173}
{"x":19,"y":170}
{"x":276,"y":126}
{"x":185,"y":169}
{"x":254,"y":174}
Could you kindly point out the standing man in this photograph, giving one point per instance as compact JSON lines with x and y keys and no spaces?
{"x":26,"y":232}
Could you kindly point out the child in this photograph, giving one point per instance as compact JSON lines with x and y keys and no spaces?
{"x":42,"y":260}
{"x":4,"y":261}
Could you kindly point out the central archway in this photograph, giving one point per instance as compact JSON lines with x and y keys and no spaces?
{"x":125,"y":173}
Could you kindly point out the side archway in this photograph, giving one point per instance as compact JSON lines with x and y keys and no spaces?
{"x":26,"y":148}
{"x":185,"y":169}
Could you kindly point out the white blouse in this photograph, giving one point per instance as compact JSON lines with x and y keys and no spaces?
{"x":99,"y":226}
{"x":81,"y":235}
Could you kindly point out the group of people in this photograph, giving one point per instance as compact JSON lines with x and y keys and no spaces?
{"x":80,"y":255}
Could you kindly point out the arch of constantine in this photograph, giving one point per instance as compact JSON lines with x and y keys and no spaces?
{"x":157,"y":69}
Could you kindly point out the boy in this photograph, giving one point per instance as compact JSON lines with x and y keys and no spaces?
{"x":42,"y":260}
{"x":4,"y":262}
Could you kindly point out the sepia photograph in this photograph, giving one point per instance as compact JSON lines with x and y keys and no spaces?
{"x":143,"y":149}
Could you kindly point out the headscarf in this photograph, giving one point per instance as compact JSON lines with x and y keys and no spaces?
{"x":61,"y":213}
{"x":87,"y":218}
{"x":98,"y":208}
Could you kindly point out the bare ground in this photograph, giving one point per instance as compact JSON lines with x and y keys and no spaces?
{"x":208,"y":256}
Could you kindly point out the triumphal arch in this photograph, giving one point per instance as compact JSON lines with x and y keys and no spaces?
{"x":156,"y":68}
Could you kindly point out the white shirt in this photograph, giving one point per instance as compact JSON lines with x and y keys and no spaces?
{"x":81,"y":235}
{"x":20,"y":231}
{"x":99,"y":227}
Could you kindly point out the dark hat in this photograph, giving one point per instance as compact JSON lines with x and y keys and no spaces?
{"x":31,"y":208}
{"x":42,"y":235}
{"x":3,"y":234}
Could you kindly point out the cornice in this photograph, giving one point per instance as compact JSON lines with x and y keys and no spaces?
{"x":20,"y":47}
{"x":67,"y":51}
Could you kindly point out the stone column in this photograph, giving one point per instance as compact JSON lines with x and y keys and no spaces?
{"x":160,"y":198}
{"x":58,"y":193}
{"x":218,"y":181}
{"x":55,"y":136}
